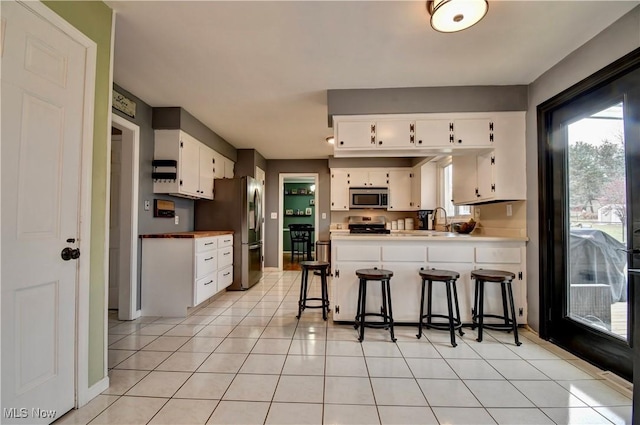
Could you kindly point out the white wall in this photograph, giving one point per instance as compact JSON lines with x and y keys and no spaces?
{"x":620,"y":38}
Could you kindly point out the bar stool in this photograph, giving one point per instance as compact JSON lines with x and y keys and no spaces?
{"x":449,"y":278}
{"x":478,"y":315}
{"x":323,"y":268}
{"x":386,"y":312}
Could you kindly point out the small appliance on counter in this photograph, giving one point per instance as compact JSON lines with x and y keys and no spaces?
{"x":425,"y":220}
{"x":363,"y":224}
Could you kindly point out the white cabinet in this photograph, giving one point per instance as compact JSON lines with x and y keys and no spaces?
{"x":400,"y":185}
{"x":498,"y":174}
{"x":433,"y":133}
{"x":194,"y":169}
{"x":473,"y":132}
{"x":364,"y":178}
{"x":179,"y":271}
{"x":218,"y":165}
{"x":229,"y":167}
{"x":406,"y":256}
{"x":355,"y":135}
{"x":339,"y":190}
{"x":424,"y":187}
{"x":395,"y":134}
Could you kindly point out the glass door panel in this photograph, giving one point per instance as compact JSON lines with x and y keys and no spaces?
{"x":597,"y":214}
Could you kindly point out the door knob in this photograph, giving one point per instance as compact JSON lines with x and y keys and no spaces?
{"x":70,"y":254}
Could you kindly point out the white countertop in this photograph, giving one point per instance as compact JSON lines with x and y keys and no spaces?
{"x":422,"y":235}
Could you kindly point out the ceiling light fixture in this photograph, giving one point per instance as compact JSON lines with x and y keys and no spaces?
{"x":330,"y":139}
{"x":456,"y":15}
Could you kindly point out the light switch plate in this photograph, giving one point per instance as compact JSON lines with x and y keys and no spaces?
{"x":274,"y":215}
{"x":324,"y":216}
{"x":509,"y":210}
{"x":177,"y":219}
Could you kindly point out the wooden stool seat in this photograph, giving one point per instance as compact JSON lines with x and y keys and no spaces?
{"x":386,"y":311}
{"x":508,"y":316}
{"x":453,"y":321}
{"x":303,"y":301}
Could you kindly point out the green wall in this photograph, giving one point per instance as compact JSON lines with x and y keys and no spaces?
{"x":93,"y":18}
{"x":296,"y":202}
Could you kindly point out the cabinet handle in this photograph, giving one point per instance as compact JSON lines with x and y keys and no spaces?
{"x":380,"y":142}
{"x":459,"y":140}
{"x":208,"y":243}
{"x":227,"y":240}
{"x":341,"y":142}
{"x":211,"y":281}
{"x":419,"y":142}
{"x":226,"y":274}
{"x":227,"y":253}
{"x":207,"y":259}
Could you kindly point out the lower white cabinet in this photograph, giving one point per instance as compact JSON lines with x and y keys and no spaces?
{"x":405,"y":256}
{"x":183,"y":270}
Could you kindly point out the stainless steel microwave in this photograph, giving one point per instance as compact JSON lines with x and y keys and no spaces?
{"x":368,"y":197}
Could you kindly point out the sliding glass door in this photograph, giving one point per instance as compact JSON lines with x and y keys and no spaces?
{"x":591,"y":181}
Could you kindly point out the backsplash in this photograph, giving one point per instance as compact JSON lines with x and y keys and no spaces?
{"x":342,"y":217}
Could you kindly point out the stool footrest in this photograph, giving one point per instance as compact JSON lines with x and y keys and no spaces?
{"x":361,"y":322}
{"x":457,"y":324}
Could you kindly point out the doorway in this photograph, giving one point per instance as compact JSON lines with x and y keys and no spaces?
{"x":123,"y":218}
{"x":589,"y":193}
{"x":297,"y":204}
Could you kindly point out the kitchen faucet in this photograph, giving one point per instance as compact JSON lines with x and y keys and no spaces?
{"x":435,"y":216}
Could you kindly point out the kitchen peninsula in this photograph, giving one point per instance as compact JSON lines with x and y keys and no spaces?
{"x":405,"y":253}
{"x":183,"y":269}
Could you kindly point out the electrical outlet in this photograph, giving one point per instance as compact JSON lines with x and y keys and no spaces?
{"x":476,"y":213}
{"x":177,"y":219}
{"x":147,"y":205}
{"x":509,"y":210}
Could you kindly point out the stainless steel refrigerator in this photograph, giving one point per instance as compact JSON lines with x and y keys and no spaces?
{"x":236,"y":206}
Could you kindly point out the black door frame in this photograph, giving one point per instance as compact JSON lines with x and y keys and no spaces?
{"x":606,"y":355}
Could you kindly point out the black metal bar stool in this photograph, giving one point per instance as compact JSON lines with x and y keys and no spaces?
{"x":386,"y":311}
{"x":323,"y":268}
{"x":478,"y":315}
{"x":449,"y":278}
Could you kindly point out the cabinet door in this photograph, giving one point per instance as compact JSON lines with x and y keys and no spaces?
{"x":355,"y":134}
{"x":484,"y":176}
{"x":473,"y":132}
{"x":189,"y":166}
{"x":339,"y":190}
{"x":431,"y":133}
{"x":464,"y":288}
{"x":228,"y":168}
{"x":206,"y":172}
{"x":464,"y":179}
{"x":378,"y":179}
{"x":405,"y":291}
{"x":394,"y":134}
{"x":400,"y":190}
{"x":424,"y":186}
{"x":357,"y":178}
{"x":344,"y":287}
{"x":218,"y":165}
{"x":493,"y":296}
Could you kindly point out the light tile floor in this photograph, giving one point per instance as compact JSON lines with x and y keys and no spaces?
{"x":245,"y":359}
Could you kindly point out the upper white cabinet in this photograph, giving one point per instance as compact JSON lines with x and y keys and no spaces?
{"x":229,"y":167}
{"x":362,"y":178}
{"x":497,"y":174}
{"x":400,"y":189}
{"x":417,"y":134}
{"x":339,"y":190}
{"x":424,"y":187}
{"x":218,"y":165}
{"x":186,"y":166}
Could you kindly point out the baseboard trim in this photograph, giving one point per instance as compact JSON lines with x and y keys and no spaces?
{"x":271,"y":269}
{"x":94,"y":391}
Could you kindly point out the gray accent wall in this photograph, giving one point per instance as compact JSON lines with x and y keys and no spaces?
{"x":248,"y":160}
{"x":174,"y":118}
{"x":622,"y":37}
{"x":411,"y":100}
{"x":274,"y":168}
{"x":370,"y":162}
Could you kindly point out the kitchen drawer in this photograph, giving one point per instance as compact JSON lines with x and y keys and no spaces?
{"x":502,"y":255}
{"x":450,"y":254}
{"x":225,"y":277}
{"x":404,"y":254}
{"x":358,"y":253}
{"x":206,"y":244}
{"x":225,"y":257}
{"x":225,"y":240}
{"x":206,"y":263}
{"x":205,"y":288}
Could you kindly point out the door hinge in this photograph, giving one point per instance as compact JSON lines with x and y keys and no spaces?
{"x":337,"y":273}
{"x":181,"y":144}
{"x":450,"y":126}
{"x":491,"y":137}
{"x":180,"y":182}
{"x":520,"y":312}
{"x":451,"y":138}
{"x":493,"y":160}
{"x":493,"y":187}
{"x":337,"y":309}
{"x":490,"y":126}
{"x":519,"y":275}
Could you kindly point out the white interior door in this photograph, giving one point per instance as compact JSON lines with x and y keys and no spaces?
{"x":43,"y":74}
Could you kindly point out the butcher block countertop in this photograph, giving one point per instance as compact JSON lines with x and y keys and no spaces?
{"x":183,"y":235}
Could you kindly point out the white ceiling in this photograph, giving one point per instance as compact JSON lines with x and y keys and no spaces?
{"x":257,"y":73}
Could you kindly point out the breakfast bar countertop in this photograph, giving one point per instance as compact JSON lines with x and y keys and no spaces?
{"x":185,"y":235}
{"x":426,"y":235}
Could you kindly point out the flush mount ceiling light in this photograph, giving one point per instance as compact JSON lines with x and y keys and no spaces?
{"x":456,"y":15}
{"x":330,"y":139}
